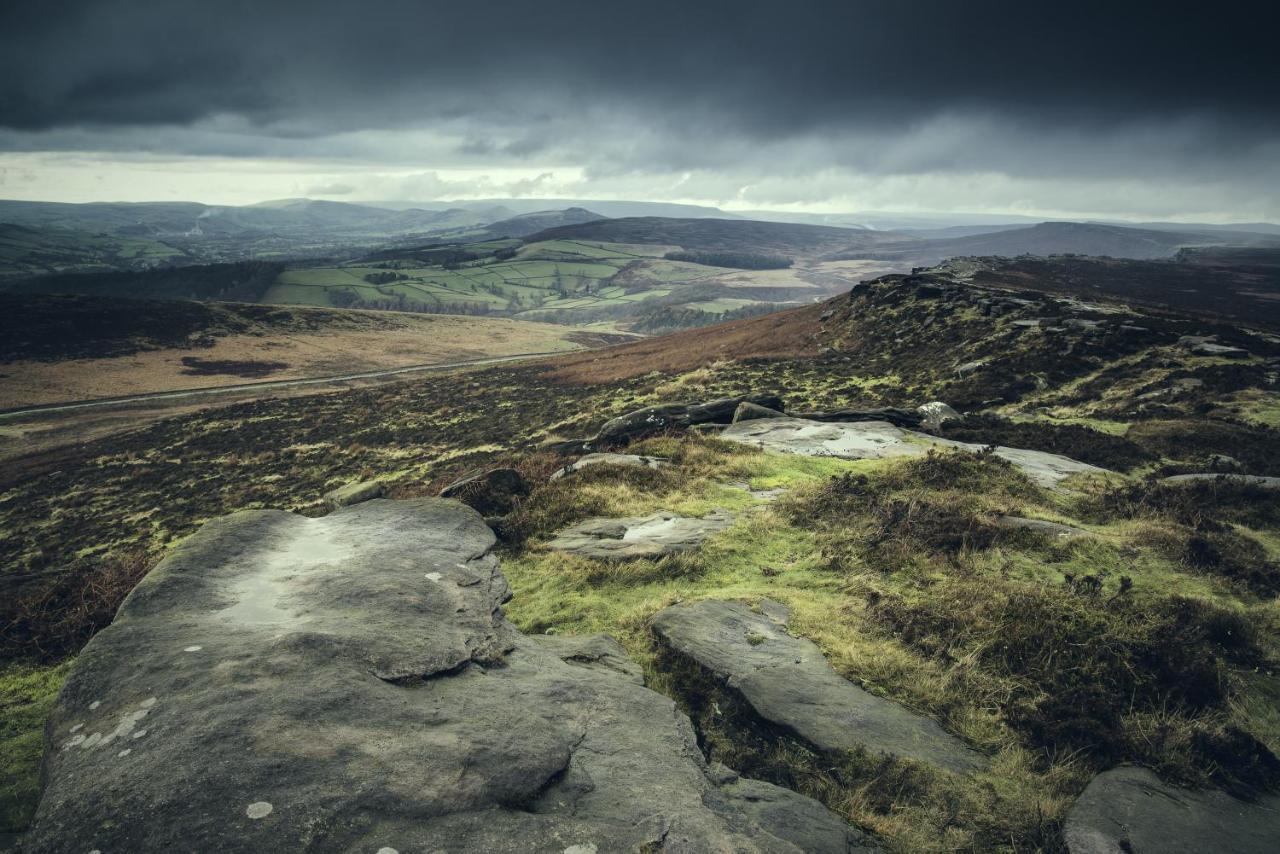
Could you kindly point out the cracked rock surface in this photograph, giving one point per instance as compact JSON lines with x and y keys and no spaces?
{"x":787,"y":682}
{"x":882,"y":440}
{"x":350,"y":683}
{"x":1129,"y":809}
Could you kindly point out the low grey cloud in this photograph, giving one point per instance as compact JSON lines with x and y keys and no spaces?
{"x":752,"y":100}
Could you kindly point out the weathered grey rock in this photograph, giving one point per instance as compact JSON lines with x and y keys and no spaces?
{"x":639,"y":537}
{"x":354,"y":493}
{"x":642,"y":422}
{"x":935,"y":413}
{"x":594,"y":652}
{"x":1129,"y":810}
{"x":349,"y":684}
{"x":670,"y":416}
{"x":1223,"y":463}
{"x":611,"y":460}
{"x":1220,"y":350}
{"x":1055,"y":530}
{"x":788,"y":683}
{"x":721,"y":411}
{"x":1234,"y":479}
{"x":492,"y":492}
{"x":801,"y":821}
{"x":882,"y":440}
{"x":747,"y":411}
{"x":895,"y":416}
{"x":970,"y":367}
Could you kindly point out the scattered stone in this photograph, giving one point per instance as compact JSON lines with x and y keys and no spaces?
{"x":970,"y":368}
{"x":493,"y":493}
{"x":361,"y":702}
{"x":1080,"y":324}
{"x":610,"y":460}
{"x":638,"y":537}
{"x":1054,"y":530}
{"x":747,"y":411}
{"x":1129,"y":809}
{"x":935,"y":413}
{"x":1220,"y":350}
{"x":1235,"y":479}
{"x":1195,"y":340}
{"x":1223,"y":463}
{"x":882,"y":440}
{"x":354,"y":493}
{"x":787,"y":682}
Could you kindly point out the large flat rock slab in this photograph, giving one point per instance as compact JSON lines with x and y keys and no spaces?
{"x":1130,"y":811}
{"x":789,"y":684}
{"x":634,"y":537}
{"x":1255,"y":480}
{"x":874,"y":440}
{"x":350,"y":684}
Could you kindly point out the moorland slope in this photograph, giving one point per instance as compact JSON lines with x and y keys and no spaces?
{"x":1055,"y":628}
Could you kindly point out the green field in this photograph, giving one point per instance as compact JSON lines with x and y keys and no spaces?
{"x":542,"y":281}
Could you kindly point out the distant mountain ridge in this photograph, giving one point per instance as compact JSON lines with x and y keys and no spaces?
{"x":724,"y":235}
{"x":1069,"y":238}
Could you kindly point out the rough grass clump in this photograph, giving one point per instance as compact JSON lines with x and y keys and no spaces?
{"x":1078,"y":661}
{"x":1224,"y":551}
{"x":692,"y":462}
{"x":921,"y":509}
{"x":919,"y":808}
{"x":1193,"y":503}
{"x":1194,"y":440}
{"x":1071,"y":440}
{"x":27,"y":692}
{"x":57,"y":618}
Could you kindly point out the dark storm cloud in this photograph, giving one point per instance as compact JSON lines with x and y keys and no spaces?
{"x":764,"y":68}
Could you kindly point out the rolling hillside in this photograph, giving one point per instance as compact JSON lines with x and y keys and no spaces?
{"x":1062,"y":238}
{"x":721,"y":235}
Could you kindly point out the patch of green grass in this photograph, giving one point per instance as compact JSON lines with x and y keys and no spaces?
{"x":1056,"y":658}
{"x":27,"y":692}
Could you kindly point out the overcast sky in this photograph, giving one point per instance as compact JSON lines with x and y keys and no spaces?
{"x":1135,"y":110}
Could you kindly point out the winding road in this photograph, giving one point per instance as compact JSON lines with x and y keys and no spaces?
{"x":43,"y":408}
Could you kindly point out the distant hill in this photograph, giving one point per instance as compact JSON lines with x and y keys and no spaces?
{"x":531,"y":223}
{"x":721,"y":235}
{"x":605,"y":207}
{"x":1068,"y":238}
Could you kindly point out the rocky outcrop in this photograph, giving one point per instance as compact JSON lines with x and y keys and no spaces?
{"x":638,"y":537}
{"x":611,"y":460}
{"x":747,"y":411}
{"x":788,"y":684}
{"x":882,"y":440}
{"x":656,"y":419}
{"x":493,"y":493}
{"x":1130,"y":810}
{"x":349,"y":684}
{"x":354,"y":493}
{"x":1221,"y":477}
